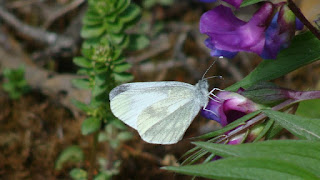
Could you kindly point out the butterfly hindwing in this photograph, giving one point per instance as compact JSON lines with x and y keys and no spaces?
{"x":129,"y":100}
{"x":174,"y":115}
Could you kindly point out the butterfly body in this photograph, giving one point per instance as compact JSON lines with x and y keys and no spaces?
{"x":161,"y":112}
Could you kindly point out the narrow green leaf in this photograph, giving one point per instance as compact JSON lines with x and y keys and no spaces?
{"x":90,"y":125}
{"x":99,"y":89}
{"x":122,"y":67}
{"x":103,"y":176}
{"x":116,"y":38}
{"x":90,"y":20}
{"x":246,"y":168}
{"x":229,"y":126}
{"x":130,"y":14}
{"x":82,"y":106}
{"x":81,"y":83}
{"x":82,"y":62}
{"x":78,"y":174}
{"x":266,"y":128}
{"x":92,"y":31}
{"x":121,"y":6}
{"x":304,"y":154}
{"x":249,"y":2}
{"x":138,"y":42}
{"x":125,"y":43}
{"x":309,"y":108}
{"x":304,"y":128}
{"x":114,"y":27}
{"x":70,"y":154}
{"x":8,"y":86}
{"x":123,"y":77}
{"x":119,"y":60}
{"x":288,"y":60}
{"x":275,"y":129}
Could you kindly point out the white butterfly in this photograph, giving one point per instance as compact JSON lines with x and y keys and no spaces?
{"x":160,"y":111}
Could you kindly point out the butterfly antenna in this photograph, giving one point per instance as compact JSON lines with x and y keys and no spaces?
{"x":220,"y":57}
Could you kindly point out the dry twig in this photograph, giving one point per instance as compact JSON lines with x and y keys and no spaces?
{"x":62,"y":12}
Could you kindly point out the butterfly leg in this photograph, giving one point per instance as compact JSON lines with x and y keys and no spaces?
{"x":215,"y":96}
{"x":204,"y":108}
{"x":214,"y":89}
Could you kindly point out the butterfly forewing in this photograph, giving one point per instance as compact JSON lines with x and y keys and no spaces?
{"x":128,"y":100}
{"x":160,"y":111}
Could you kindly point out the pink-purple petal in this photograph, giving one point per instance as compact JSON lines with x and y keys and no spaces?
{"x":228,"y":33}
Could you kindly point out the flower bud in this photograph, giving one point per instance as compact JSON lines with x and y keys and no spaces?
{"x":244,"y":137}
{"x":228,"y":107}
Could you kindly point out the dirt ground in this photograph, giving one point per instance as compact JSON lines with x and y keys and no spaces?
{"x":34,"y":131}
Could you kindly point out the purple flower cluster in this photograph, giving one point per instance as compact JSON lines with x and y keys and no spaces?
{"x":268,"y":31}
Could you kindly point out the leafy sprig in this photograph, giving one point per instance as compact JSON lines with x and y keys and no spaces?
{"x":103,"y":65}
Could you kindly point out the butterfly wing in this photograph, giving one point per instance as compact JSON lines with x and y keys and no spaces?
{"x":166,"y":121}
{"x":127,"y":101}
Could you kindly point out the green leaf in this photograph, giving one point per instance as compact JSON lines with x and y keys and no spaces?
{"x":123,"y":77}
{"x":114,"y":27}
{"x":125,"y":43}
{"x":82,"y":106}
{"x":99,"y":89}
{"x":246,"y":168}
{"x":117,"y":38}
{"x":122,"y":5}
{"x":92,"y":31}
{"x":138,"y":42}
{"x":304,"y":128}
{"x":8,"y":87}
{"x":266,"y":128}
{"x":90,"y":125}
{"x":274,"y":130}
{"x":92,"y":21}
{"x":122,"y":67}
{"x":130,"y":14}
{"x":71,"y":154}
{"x":82,"y":62}
{"x":309,"y":108}
{"x":229,"y":126}
{"x":81,"y":83}
{"x":288,"y":60}
{"x":102,"y":176}
{"x":303,"y":154}
{"x":249,"y":2}
{"x":78,"y":174}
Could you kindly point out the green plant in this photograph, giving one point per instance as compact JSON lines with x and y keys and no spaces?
{"x":16,"y":85}
{"x":104,"y":66}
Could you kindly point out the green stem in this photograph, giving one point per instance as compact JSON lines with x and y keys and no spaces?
{"x":302,"y":18}
{"x":93,"y":156}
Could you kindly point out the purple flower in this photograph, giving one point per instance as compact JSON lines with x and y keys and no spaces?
{"x":229,"y":35}
{"x":235,"y":3}
{"x":228,"y":107}
{"x":280,"y":32}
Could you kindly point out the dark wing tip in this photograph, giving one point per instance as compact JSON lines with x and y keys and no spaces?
{"x":117,"y":90}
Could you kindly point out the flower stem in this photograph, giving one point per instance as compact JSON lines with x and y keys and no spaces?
{"x":302,"y":18}
{"x":91,"y":171}
{"x":295,"y":97}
